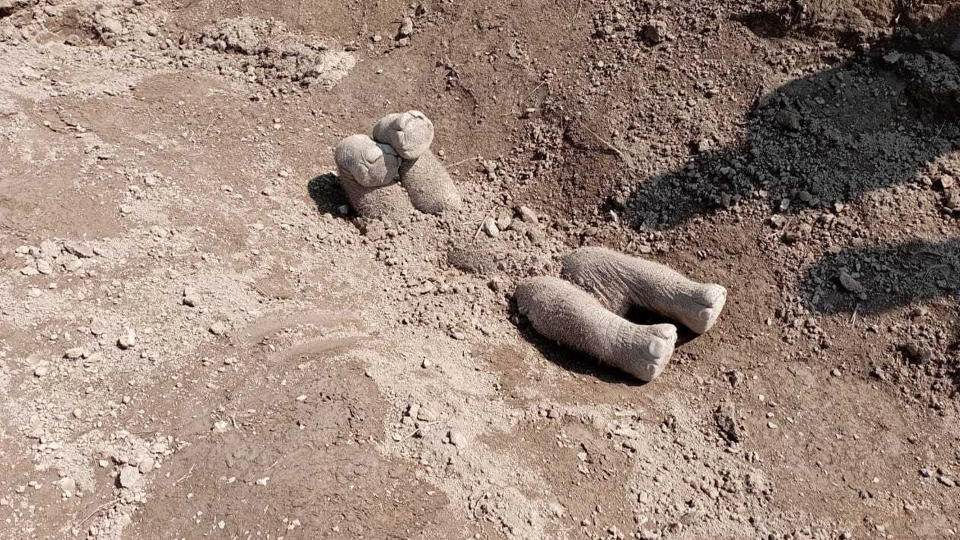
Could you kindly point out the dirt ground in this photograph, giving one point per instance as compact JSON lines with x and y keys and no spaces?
{"x":198,"y":338}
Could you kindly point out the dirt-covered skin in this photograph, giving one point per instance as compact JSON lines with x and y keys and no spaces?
{"x":199,"y":339}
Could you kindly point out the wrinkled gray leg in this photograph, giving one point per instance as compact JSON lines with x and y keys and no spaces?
{"x":429,"y":185}
{"x":368,"y":171}
{"x":562,"y":312}
{"x":389,"y":202}
{"x":621,"y":281}
{"x":427,"y":181}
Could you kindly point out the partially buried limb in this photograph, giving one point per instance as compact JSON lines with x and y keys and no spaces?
{"x":621,"y":281}
{"x":562,"y":312}
{"x":427,"y":181}
{"x":368,"y":171}
{"x":429,"y":185}
{"x":409,"y":133}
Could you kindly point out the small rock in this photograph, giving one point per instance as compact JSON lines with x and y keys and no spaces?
{"x":892,"y":57}
{"x":218,"y":328}
{"x":129,"y":476}
{"x":74,"y":353}
{"x":427,"y":414}
{"x":778,"y":221}
{"x":77,"y":250}
{"x":406,"y":28}
{"x":128,"y":339}
{"x":68,"y":486}
{"x":490,"y":227}
{"x":655,"y":32}
{"x":849,"y":283}
{"x":788,"y":119}
{"x":189,"y":297}
{"x":527,"y":215}
{"x":946,"y":480}
{"x":42,"y":370}
{"x":146,"y":465}
{"x":945,"y":182}
{"x":457,"y":439}
{"x":725,"y":416}
{"x":49,"y":249}
{"x":44,"y":267}
{"x":916,"y":354}
{"x":504,"y":218}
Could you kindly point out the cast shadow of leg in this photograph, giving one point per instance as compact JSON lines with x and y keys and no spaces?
{"x":327,"y":194}
{"x":825,"y":138}
{"x":890,"y":275}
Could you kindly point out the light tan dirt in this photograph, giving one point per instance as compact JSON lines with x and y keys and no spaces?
{"x":198,"y":339}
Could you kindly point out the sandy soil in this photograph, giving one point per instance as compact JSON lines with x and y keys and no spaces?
{"x":199,"y":339}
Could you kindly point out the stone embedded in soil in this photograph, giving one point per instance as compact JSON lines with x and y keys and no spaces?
{"x":68,"y":486}
{"x":917,"y":354}
{"x":490,"y":227}
{"x":218,"y":328}
{"x":655,"y":32}
{"x":527,"y":215}
{"x":457,"y":439}
{"x":130,"y":476}
{"x":406,"y":28}
{"x":128,"y":339}
{"x":426,"y":414}
{"x":849,"y":283}
{"x":504,"y":218}
{"x":725,"y":417}
{"x":189,"y":297}
{"x":44,"y":267}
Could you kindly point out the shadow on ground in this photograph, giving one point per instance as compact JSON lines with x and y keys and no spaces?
{"x":327,"y":194}
{"x":829,"y":138}
{"x":822,"y":139}
{"x":889,"y":275}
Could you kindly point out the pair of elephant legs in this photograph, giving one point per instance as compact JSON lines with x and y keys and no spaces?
{"x":585,"y":310}
{"x":368,"y":169}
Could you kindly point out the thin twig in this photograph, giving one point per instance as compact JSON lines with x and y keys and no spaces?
{"x":184,"y":477}
{"x":626,"y":159}
{"x":414,"y":432}
{"x":461,"y":162}
{"x":524,"y":100}
{"x":96,"y":511}
{"x":853,"y":319}
{"x":480,"y":228}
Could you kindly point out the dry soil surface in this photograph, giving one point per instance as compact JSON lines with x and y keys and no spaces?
{"x":199,"y":339}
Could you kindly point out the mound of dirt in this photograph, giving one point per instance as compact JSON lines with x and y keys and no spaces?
{"x":273,"y":53}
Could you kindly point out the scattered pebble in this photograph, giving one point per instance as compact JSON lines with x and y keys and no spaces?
{"x":128,"y":339}
{"x":129,"y":476}
{"x":457,"y":439}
